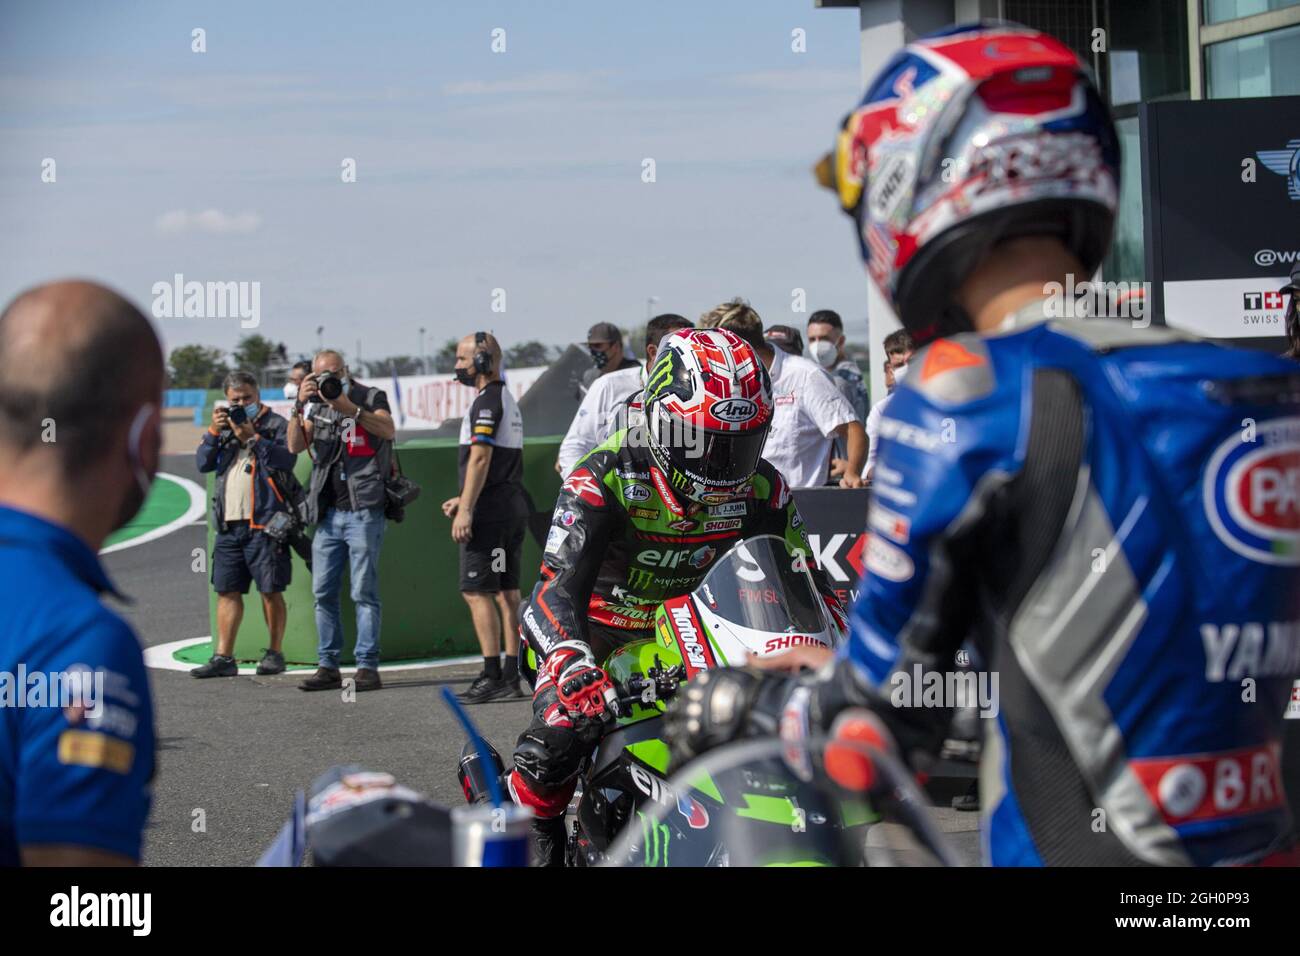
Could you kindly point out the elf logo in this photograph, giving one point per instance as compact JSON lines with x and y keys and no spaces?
{"x":1252,"y":493}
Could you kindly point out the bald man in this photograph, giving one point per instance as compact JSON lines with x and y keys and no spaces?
{"x":351,"y":434}
{"x":489,"y":516}
{"x":81,"y":376}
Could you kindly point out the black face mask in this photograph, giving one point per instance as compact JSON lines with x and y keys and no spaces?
{"x":599,"y":359}
{"x":465,"y":376}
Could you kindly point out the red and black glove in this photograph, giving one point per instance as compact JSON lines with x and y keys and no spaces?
{"x":583,"y":688}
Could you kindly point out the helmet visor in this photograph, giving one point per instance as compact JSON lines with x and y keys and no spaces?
{"x":712,"y":458}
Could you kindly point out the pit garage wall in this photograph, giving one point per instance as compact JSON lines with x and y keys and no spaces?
{"x":423,"y":613}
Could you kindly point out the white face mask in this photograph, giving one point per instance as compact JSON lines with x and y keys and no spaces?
{"x":290,"y":390}
{"x":900,"y":373}
{"x":822,"y":352}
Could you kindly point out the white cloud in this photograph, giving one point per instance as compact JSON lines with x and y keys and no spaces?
{"x":799,"y":81}
{"x":211,"y":221}
{"x":554,"y":82}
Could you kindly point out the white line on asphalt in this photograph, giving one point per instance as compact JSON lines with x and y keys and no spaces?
{"x":198,"y":509}
{"x":162,"y":657}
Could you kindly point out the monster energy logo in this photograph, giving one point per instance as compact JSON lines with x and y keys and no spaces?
{"x":661,"y":375}
{"x":656,"y":838}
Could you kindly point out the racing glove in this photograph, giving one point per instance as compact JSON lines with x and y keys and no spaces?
{"x":719,"y":706}
{"x":583,"y":688}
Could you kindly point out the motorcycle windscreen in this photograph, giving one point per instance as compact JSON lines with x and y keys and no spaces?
{"x":765,"y":803}
{"x":761,"y":585}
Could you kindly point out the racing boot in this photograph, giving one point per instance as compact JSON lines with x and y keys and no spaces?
{"x":549,"y":841}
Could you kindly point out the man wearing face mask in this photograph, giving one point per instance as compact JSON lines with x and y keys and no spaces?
{"x":606,"y":405}
{"x":605,"y":345}
{"x":246,"y":446}
{"x":81,"y":375}
{"x":299,"y":371}
{"x":350,"y":430}
{"x":826,"y":348}
{"x":898,"y":352}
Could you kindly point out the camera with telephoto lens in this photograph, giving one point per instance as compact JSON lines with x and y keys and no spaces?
{"x":236,"y":414}
{"x":329,"y":385}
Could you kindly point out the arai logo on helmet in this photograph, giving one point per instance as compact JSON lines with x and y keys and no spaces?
{"x":1252,"y":493}
{"x":734,"y":410}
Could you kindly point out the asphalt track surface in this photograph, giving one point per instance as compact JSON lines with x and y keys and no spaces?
{"x":238,"y":748}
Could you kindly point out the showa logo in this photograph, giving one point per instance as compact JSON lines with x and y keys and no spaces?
{"x":945,"y":689}
{"x":179,"y":299}
{"x":1099,"y":300}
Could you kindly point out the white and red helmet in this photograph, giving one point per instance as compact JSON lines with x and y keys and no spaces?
{"x":967,"y":137}
{"x":708,"y":408}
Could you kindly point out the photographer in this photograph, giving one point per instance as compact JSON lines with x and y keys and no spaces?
{"x":246,"y":446}
{"x":349,"y":429}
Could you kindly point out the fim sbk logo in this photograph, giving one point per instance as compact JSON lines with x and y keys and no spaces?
{"x":1284,"y":162}
{"x":1252,"y":493}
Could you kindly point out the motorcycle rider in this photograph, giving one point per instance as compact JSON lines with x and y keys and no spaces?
{"x":1109,"y":510}
{"x":640,"y":519}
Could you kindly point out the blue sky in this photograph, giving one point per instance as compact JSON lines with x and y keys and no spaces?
{"x":475,"y":170}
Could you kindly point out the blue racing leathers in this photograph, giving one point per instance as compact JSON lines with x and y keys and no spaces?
{"x":1112,"y":516}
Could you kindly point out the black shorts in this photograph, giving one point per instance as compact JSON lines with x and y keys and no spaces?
{"x":242,"y":556}
{"x":490,"y":561}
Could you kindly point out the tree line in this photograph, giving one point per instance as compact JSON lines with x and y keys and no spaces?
{"x":203,"y":366}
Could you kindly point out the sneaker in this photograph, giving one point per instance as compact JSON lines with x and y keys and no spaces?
{"x":969,"y":801}
{"x":325,"y":678}
{"x":514,"y":690}
{"x":272,"y":662}
{"x":483,"y":689}
{"x":217,"y":666}
{"x":367,"y":678}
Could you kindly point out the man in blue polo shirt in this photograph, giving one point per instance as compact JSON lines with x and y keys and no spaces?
{"x":81,"y":375}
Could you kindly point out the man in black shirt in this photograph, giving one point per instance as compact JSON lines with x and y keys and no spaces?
{"x":350,"y":430}
{"x":489,"y":515}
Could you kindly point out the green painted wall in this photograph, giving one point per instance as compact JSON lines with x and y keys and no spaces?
{"x":423,"y":613}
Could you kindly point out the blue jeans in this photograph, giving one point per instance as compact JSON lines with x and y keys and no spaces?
{"x":353,"y":536}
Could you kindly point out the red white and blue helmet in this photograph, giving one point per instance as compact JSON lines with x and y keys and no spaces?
{"x":968,"y":137}
{"x":708,"y":408}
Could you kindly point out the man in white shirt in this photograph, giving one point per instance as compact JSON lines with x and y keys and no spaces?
{"x":598,"y":412}
{"x":898,"y":352}
{"x":808,"y":409}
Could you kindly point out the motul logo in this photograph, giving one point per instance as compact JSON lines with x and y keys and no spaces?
{"x":690,"y":637}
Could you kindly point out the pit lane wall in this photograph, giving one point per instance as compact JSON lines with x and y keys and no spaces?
{"x":423,"y":613}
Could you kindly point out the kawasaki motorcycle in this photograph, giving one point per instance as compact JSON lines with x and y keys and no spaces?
{"x":770,"y":803}
{"x":758,"y":600}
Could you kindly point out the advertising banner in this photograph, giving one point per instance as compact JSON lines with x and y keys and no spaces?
{"x":1221,"y":183}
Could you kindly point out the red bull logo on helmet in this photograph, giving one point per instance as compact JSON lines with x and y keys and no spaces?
{"x":1252,"y":492}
